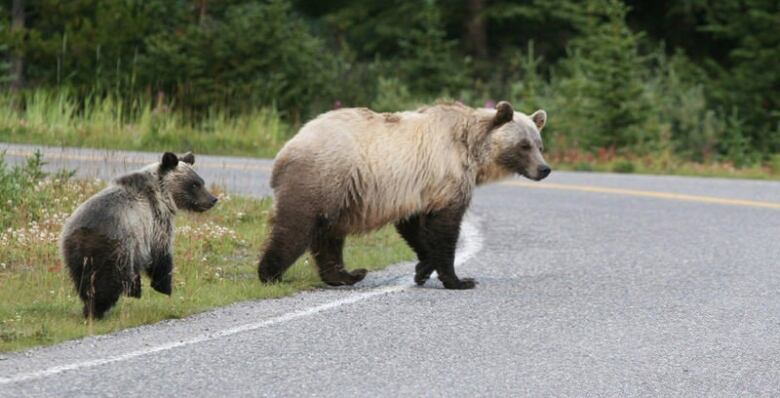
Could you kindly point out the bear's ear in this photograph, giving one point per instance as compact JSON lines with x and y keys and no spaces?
{"x":504,"y":114}
{"x":169,"y":162}
{"x":188,"y":158}
{"x":540,"y":118}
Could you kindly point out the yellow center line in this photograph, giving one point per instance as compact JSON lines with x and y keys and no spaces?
{"x":647,"y":194}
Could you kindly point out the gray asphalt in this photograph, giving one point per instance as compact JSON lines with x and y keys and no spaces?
{"x":580,"y":294}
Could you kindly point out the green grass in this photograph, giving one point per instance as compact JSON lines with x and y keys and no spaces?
{"x":57,"y":118}
{"x":215,"y":262}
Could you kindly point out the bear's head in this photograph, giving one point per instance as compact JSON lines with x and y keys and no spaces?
{"x":182,"y":182}
{"x":515,"y":142}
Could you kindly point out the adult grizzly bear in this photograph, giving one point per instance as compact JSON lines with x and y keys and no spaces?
{"x":354,"y":170}
{"x":127,"y":228}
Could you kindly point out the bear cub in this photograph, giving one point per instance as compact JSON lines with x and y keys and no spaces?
{"x":127,"y":228}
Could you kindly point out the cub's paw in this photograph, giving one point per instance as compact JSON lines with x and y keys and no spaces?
{"x":163,"y":285}
{"x":459,"y":284}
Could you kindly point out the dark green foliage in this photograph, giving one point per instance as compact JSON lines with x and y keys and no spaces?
{"x":428,"y":62}
{"x":751,"y":79}
{"x":259,"y":53}
{"x":623,"y":166}
{"x":605,"y":76}
{"x":696,"y":78}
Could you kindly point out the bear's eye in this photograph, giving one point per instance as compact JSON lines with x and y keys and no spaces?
{"x":525,"y":147}
{"x":196,"y":184}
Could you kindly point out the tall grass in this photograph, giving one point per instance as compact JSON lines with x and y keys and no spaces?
{"x":58,"y":117}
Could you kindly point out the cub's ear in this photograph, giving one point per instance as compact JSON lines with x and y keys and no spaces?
{"x":540,"y":118}
{"x":188,"y":158}
{"x":169,"y":162}
{"x":504,"y":114}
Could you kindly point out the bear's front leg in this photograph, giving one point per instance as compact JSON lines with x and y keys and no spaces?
{"x":409,"y":229}
{"x":440,"y":233}
{"x":161,"y":273}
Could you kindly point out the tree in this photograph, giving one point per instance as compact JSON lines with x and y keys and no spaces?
{"x":751,"y":83}
{"x":604,"y":75}
{"x":428,"y":62}
{"x":17,"y":58}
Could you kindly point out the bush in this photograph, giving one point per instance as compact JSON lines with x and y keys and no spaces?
{"x":774,"y":164}
{"x":583,"y":166}
{"x":258,"y":54}
{"x":392,"y":96}
{"x":22,"y":189}
{"x":623,"y":166}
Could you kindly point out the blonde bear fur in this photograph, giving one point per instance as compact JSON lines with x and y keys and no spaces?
{"x":354,"y":170}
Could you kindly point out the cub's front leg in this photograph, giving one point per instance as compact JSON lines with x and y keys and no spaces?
{"x":161,"y":273}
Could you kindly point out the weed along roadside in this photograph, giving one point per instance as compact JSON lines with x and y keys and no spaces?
{"x":215,"y":261}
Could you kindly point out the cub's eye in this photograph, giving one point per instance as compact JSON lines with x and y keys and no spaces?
{"x":525,"y":147}
{"x":196,"y":184}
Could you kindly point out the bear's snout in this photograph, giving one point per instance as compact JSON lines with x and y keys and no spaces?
{"x":542,"y":172}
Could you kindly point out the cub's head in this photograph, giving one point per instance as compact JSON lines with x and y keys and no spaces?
{"x":183,"y":183}
{"x":515,"y":143}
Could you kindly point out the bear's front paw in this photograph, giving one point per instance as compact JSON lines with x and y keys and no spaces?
{"x":459,"y":284}
{"x":422,"y":272}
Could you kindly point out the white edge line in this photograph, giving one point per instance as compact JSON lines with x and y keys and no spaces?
{"x":471,"y":245}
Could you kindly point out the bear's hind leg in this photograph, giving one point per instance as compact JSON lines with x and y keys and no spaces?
{"x":133,"y":289}
{"x":327,"y":249}
{"x":290,"y":236}
{"x":409,"y":229}
{"x":440,"y":234}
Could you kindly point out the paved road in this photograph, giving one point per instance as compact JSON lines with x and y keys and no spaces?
{"x":606,"y":288}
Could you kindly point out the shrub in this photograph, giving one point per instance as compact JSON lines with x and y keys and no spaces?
{"x":774,"y":164}
{"x":623,"y":166}
{"x":260,"y":53}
